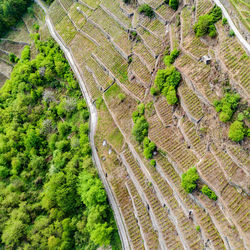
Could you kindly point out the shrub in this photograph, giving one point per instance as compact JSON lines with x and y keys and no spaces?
{"x":205,"y":24}
{"x":13,"y":58}
{"x":208,"y":192}
{"x":169,"y":59}
{"x":25,"y":55}
{"x":174,"y":4}
{"x":202,"y":26}
{"x":198,"y":228}
{"x":227,"y":106}
{"x":212,"y":31}
{"x":236,"y":131}
{"x":216,"y":13}
{"x":189,"y":180}
{"x":153,"y":91}
{"x":193,"y":8}
{"x":231,"y":33}
{"x":139,"y":112}
{"x":149,"y":148}
{"x":36,"y":26}
{"x":153,"y":162}
{"x":146,"y":10}
{"x":171,"y":96}
{"x":4,"y":172}
{"x":224,"y":21}
{"x":140,"y":129}
{"x":121,"y":97}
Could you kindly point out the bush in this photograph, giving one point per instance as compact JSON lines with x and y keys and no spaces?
{"x":146,"y":10}
{"x":149,"y":148}
{"x":169,"y":59}
{"x":227,"y":106}
{"x":140,"y":129}
{"x":231,"y":33}
{"x":224,"y":21}
{"x":236,"y":131}
{"x":153,"y":91}
{"x":208,"y":192}
{"x":189,"y":180}
{"x":36,"y":26}
{"x":202,"y":26}
{"x":13,"y":58}
{"x":198,"y":228}
{"x":174,"y":4}
{"x":205,"y":24}
{"x":167,"y":81}
{"x":153,"y":162}
{"x":25,"y":55}
{"x":121,"y":97}
{"x":4,"y":172}
{"x":171,"y":96}
{"x":212,"y":31}
{"x":216,"y":13}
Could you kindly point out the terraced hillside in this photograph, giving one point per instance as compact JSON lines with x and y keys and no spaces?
{"x":118,"y":53}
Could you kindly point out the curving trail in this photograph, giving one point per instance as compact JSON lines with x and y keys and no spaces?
{"x":93,"y":122}
{"x":242,"y":40}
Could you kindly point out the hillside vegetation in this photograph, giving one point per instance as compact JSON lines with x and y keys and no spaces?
{"x":171,"y":85}
{"x":50,"y":193}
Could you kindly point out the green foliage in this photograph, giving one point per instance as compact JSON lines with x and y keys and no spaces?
{"x":201,"y":28}
{"x":153,"y":162}
{"x":148,"y":148}
{"x":167,"y":81}
{"x":25,"y":55}
{"x":44,"y":155}
{"x":216,"y":13}
{"x":209,"y":193}
{"x":13,"y":58}
{"x":94,"y":198}
{"x":36,"y":26}
{"x":189,"y":180}
{"x":198,"y":228}
{"x":236,"y":131}
{"x":224,"y":21}
{"x":4,"y":172}
{"x":121,"y":97}
{"x":174,"y":4}
{"x":139,"y":112}
{"x":140,"y":129}
{"x":227,"y":106}
{"x":11,"y":12}
{"x":171,"y":96}
{"x":146,"y":10}
{"x":205,"y":24}
{"x":169,"y":59}
{"x":154,"y":91}
{"x":231,"y":33}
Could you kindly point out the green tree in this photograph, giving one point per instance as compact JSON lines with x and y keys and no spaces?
{"x":208,"y":192}
{"x":189,"y":180}
{"x":146,"y":10}
{"x":140,"y":129}
{"x":236,"y":131}
{"x":174,"y":4}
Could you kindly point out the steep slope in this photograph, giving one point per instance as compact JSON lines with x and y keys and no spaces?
{"x":110,"y":40}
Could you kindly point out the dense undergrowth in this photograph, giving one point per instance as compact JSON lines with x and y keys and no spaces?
{"x":50,"y":193}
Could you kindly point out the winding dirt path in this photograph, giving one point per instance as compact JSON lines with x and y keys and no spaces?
{"x":93,"y":122}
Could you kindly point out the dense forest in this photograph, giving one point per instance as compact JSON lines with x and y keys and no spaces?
{"x":50,"y":193}
{"x":10,"y":13}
